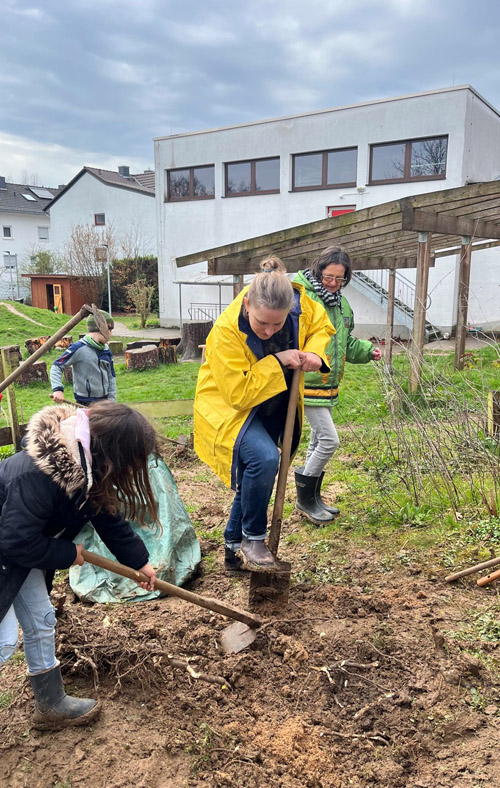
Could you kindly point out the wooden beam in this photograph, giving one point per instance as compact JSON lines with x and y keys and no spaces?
{"x":463,"y":301}
{"x":419,"y":310}
{"x":432,"y":222}
{"x":11,"y":401}
{"x":477,"y":247}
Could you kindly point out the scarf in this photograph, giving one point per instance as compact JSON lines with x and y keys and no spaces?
{"x":330,"y":299}
{"x":92,"y":343}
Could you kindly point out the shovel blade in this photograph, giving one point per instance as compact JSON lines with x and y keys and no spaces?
{"x":271,"y":586}
{"x":237,"y":637}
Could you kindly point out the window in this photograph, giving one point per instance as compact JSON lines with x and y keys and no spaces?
{"x":7,"y":232}
{"x":413,"y":160}
{"x":99,"y":219}
{"x":29,"y":197}
{"x":257,"y":176}
{"x":44,"y":194}
{"x":43,"y":233}
{"x":339,"y":210}
{"x":191,"y":183}
{"x":324,"y":169}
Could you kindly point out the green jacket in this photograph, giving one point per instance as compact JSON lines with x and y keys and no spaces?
{"x":322,"y":389}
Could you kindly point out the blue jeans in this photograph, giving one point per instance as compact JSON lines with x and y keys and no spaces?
{"x":36,"y":615}
{"x":257,"y":467}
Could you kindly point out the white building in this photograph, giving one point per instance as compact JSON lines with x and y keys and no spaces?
{"x":25,"y":229}
{"x":224,"y":185}
{"x":107,"y":199}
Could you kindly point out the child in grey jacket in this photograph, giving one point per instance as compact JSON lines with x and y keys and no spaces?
{"x":92,"y":364}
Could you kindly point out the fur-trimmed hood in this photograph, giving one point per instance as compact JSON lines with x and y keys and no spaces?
{"x":52,"y":447}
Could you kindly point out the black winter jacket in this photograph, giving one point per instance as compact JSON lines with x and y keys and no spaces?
{"x":43,"y":506}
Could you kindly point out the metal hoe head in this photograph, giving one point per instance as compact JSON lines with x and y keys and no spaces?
{"x":100,"y":321}
{"x":237,"y":637}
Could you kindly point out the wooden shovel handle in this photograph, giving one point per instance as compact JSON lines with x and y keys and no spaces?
{"x":279,"y":500}
{"x":483,"y":581}
{"x":472,"y":570}
{"x":188,"y":596}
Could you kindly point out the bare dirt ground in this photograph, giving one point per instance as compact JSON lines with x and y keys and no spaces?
{"x":365,"y":682}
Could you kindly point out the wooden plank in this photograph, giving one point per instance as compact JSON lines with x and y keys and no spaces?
{"x":419,"y":309}
{"x":475,"y":248}
{"x":6,"y":434}
{"x":294,"y":264}
{"x":11,"y":401}
{"x":463,"y":302}
{"x":432,"y":222}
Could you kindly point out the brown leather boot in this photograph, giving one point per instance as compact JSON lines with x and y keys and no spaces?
{"x":256,"y":555}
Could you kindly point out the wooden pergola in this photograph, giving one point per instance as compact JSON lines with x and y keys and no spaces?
{"x":407,"y":233}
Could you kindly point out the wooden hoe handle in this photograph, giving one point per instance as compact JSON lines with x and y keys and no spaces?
{"x":483,"y":581}
{"x":188,"y":596}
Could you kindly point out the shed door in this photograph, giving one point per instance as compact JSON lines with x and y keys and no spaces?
{"x":58,"y":302}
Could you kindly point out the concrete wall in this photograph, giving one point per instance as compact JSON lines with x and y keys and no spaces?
{"x":130,"y":213}
{"x":191,"y":226}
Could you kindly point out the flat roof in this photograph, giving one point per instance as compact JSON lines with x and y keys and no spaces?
{"x":332,"y":109}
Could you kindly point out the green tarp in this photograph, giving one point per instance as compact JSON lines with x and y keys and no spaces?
{"x":174,"y":551}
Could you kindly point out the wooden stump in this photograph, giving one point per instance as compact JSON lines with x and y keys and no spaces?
{"x":15,"y":358}
{"x":142,"y":343}
{"x":68,"y":374}
{"x":64,"y":342}
{"x":194,"y":334}
{"x":167,"y":352}
{"x":37,"y":372}
{"x":116,"y":347}
{"x":34,"y":344}
{"x":141,"y":358}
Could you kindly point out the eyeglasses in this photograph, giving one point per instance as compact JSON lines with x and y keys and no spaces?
{"x":338,"y":279}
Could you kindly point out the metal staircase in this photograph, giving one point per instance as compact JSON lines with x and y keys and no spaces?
{"x":374,"y":287}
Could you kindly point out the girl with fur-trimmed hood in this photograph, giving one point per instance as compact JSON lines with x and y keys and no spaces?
{"x":79,"y":465}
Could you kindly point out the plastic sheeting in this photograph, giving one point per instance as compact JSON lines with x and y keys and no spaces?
{"x":174,"y":552}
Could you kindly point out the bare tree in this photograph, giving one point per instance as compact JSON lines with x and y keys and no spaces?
{"x":136,"y":243}
{"x":30,"y":178}
{"x":80,"y":253}
{"x":140,"y":293}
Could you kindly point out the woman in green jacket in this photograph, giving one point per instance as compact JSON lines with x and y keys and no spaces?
{"x":323,"y":282}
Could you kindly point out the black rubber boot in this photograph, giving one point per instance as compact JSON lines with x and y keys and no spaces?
{"x":232,"y":561}
{"x":54,"y":709}
{"x":256,"y":555}
{"x":332,"y":509}
{"x":306,"y":499}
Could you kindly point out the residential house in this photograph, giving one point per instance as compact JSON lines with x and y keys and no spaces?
{"x":25,"y":229}
{"x":105,"y":199}
{"x":224,"y":185}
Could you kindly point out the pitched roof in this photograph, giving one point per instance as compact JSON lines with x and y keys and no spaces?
{"x":111,"y":178}
{"x":12,"y":200}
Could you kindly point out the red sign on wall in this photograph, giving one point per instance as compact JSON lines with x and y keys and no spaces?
{"x":338,"y":210}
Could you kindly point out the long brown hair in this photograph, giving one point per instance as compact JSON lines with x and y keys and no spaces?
{"x":121,"y":442}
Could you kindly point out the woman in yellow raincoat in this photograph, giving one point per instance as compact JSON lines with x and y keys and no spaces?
{"x":241,"y":398}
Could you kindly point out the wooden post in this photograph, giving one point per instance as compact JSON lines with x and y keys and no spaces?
{"x":389,"y":329}
{"x":419,"y":309}
{"x":11,"y":401}
{"x":493,"y":427}
{"x":463,"y":300}
{"x":238,"y":284}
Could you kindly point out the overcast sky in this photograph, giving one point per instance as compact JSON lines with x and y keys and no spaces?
{"x":91,"y":82}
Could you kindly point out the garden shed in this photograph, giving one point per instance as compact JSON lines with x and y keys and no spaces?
{"x":58,"y":292}
{"x":411,"y":232}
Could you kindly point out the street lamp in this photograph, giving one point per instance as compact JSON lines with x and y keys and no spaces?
{"x":105,"y":259}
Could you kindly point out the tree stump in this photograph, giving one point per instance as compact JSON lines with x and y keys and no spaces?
{"x":167,"y":351}
{"x":34,"y":344}
{"x":34,"y":374}
{"x":116,"y":347}
{"x":15,"y":358}
{"x":194,"y":334}
{"x":142,"y":343}
{"x":141,"y":358}
{"x":68,"y":374}
{"x":64,"y":342}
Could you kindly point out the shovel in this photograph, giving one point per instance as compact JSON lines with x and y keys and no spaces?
{"x":84,"y":312}
{"x":274,"y":584}
{"x":234,"y":638}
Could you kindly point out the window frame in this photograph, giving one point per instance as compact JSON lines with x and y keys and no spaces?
{"x":97,"y":223}
{"x":9,"y":228}
{"x":191,"y":196}
{"x":324,"y":169}
{"x":43,"y":227}
{"x":253,"y":191}
{"x":408,"y":177}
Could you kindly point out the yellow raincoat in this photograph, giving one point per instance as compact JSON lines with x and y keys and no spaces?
{"x":235,"y":378}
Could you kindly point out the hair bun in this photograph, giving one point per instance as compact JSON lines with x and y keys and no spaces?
{"x":272,"y":263}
